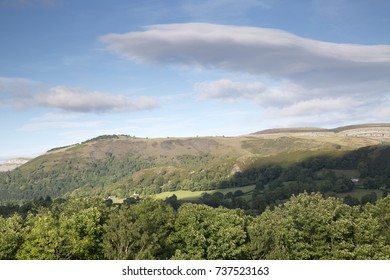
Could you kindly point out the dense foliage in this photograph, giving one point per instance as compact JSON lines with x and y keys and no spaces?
{"x":308,"y":226}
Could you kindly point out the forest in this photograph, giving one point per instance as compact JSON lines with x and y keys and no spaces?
{"x":305,"y":227}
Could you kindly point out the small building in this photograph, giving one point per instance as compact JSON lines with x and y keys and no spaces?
{"x":355,"y":180}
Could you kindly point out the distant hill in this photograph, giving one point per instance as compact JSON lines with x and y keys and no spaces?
{"x":375,"y":131}
{"x":291,"y":130}
{"x":123,"y":165}
{"x":361,"y":126}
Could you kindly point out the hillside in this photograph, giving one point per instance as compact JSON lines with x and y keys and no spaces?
{"x":123,"y":165}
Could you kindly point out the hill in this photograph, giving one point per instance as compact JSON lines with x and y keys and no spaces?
{"x":379,"y":131}
{"x":123,"y":165}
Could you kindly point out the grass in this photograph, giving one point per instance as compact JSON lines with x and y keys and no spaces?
{"x":196,"y":195}
{"x":359,"y":193}
{"x":117,"y":200}
{"x":350,"y":173}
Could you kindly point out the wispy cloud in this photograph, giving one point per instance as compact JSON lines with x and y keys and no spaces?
{"x":23,"y":94}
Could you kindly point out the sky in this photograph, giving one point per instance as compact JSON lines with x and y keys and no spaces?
{"x":72,"y":70}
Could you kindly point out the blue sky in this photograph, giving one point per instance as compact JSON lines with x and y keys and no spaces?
{"x":72,"y":70}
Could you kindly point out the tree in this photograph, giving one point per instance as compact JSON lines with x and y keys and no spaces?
{"x":259,"y":203}
{"x":82,"y":234}
{"x":363,"y":169}
{"x":139,"y":231}
{"x":370,"y":183}
{"x":351,"y":201}
{"x":372,"y":234}
{"x":272,"y":172}
{"x":42,"y":239}
{"x":343,"y":184}
{"x":376,"y":230}
{"x":10,"y":236}
{"x":70,"y":230}
{"x":369,"y":198}
{"x":173,"y":201}
{"x":202,"y":232}
{"x":306,"y":227}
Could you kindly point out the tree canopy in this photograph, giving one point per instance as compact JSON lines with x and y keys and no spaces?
{"x":307,"y":226}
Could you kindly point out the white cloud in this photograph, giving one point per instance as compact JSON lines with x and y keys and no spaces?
{"x":225,"y":89}
{"x":258,"y":51}
{"x":318,"y":106}
{"x":309,"y":77}
{"x":22,"y":94}
{"x":79,"y":100}
{"x":329,"y":112}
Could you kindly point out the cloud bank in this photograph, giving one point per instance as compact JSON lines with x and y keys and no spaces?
{"x":308,"y":76}
{"x":23,"y":94}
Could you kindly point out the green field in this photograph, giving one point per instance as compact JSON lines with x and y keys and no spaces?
{"x":359,"y":193}
{"x":350,"y":173}
{"x":193,"y":196}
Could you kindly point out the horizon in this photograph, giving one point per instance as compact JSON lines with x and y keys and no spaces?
{"x":4,"y":160}
{"x":72,"y":70}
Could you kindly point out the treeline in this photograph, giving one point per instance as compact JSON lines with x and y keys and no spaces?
{"x":307,"y":226}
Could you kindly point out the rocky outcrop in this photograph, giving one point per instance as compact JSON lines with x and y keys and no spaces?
{"x":372,"y":131}
{"x":368,"y":132}
{"x":12,"y":164}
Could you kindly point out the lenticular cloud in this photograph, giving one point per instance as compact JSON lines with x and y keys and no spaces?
{"x":345,"y":79}
{"x":258,"y":51}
